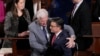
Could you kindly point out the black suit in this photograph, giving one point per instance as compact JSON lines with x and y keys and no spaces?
{"x":96,"y":11}
{"x":59,"y":48}
{"x":81,"y":23}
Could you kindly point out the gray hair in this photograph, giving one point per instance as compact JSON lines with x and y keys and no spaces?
{"x":41,"y":13}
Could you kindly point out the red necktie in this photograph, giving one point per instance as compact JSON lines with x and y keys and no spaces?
{"x":53,"y":39}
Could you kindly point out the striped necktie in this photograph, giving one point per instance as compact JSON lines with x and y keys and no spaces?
{"x":45,"y":33}
{"x":53,"y":39}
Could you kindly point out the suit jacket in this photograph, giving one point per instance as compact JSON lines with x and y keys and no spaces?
{"x":59,"y":48}
{"x":96,"y":11}
{"x":81,"y":23}
{"x":37,"y":39}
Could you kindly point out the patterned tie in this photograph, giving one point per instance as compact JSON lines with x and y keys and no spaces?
{"x":45,"y":33}
{"x":73,"y":11}
{"x":53,"y":39}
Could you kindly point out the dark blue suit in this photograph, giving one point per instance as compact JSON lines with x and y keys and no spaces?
{"x":59,"y":48}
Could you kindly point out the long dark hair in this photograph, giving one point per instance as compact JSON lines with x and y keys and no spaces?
{"x":14,"y":9}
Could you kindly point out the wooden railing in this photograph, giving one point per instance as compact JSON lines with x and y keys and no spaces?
{"x":96,"y":38}
{"x":95,"y":47}
{"x":16,"y":52}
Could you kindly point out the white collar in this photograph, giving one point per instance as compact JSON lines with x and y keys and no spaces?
{"x":42,"y":27}
{"x":78,"y":4}
{"x":58,"y":33}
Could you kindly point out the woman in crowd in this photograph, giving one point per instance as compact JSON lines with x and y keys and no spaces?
{"x":16,"y":24}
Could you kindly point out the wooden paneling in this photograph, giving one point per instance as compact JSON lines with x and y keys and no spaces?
{"x":45,"y":3}
{"x":94,"y":50}
{"x":15,"y":51}
{"x":96,"y":40}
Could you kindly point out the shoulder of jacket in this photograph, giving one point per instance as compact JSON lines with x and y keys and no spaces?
{"x":32,"y":24}
{"x":9,"y":13}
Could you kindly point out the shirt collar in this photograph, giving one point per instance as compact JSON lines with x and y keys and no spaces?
{"x":78,"y":4}
{"x":58,"y":33}
{"x":43,"y":26}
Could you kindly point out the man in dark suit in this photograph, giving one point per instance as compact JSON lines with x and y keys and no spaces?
{"x":58,"y":41}
{"x":80,"y":20}
{"x":96,"y":11}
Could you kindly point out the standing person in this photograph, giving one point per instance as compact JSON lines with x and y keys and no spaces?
{"x":96,"y":11}
{"x":58,"y":40}
{"x":39,"y":35}
{"x":16,"y":24}
{"x":80,"y":20}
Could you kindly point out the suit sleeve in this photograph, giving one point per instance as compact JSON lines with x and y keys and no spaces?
{"x":70,"y":30}
{"x":28,"y":16}
{"x":67,"y":51}
{"x":34,"y":43}
{"x":7,"y":25}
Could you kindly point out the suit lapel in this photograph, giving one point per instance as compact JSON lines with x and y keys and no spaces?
{"x":39,"y":32}
{"x":58,"y":37}
{"x":78,"y":10}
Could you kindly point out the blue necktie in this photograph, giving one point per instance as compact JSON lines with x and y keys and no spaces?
{"x":45,"y":33}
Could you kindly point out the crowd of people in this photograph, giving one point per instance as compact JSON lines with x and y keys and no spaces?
{"x":52,"y":33}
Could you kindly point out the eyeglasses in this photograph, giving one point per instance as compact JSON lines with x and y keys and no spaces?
{"x":53,"y":26}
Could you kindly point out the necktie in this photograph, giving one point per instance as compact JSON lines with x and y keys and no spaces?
{"x":45,"y":33}
{"x":53,"y":39}
{"x":73,"y":11}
